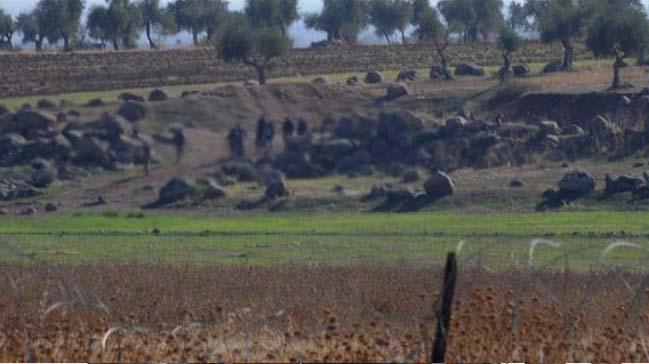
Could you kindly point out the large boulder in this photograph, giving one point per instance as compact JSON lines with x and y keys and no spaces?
{"x":355,"y":127}
{"x":29,"y":121}
{"x":157,"y":95}
{"x":439,"y":185}
{"x":43,"y":177}
{"x":622,"y":184}
{"x":177,"y":189}
{"x":277,"y":187}
{"x":550,"y":127}
{"x":320,"y":80}
{"x":395,"y":91}
{"x":93,"y":151}
{"x":114,"y":126}
{"x":132,"y":111}
{"x":576,"y":183}
{"x":407,"y":75}
{"x":213,"y":190}
{"x":11,"y":142}
{"x":554,"y":66}
{"x":336,"y":147}
{"x":127,"y":96}
{"x":46,"y":104}
{"x":521,"y":69}
{"x":125,"y":149}
{"x":243,"y":170}
{"x":373,"y":77}
{"x":469,"y":69}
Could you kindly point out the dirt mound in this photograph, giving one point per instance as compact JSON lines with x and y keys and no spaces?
{"x":227,"y":106}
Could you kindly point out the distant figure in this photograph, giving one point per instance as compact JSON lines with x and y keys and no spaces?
{"x":288,"y":128}
{"x":235,"y":140}
{"x":261,"y":130}
{"x":269,"y":134}
{"x":301,"y":127}
{"x":179,"y":143}
{"x":146,"y":150}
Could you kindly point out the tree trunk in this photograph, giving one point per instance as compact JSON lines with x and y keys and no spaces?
{"x":115,"y":44}
{"x":443,"y":60}
{"x":66,"y":43}
{"x":616,"y":73}
{"x":404,"y":40}
{"x":39,"y":44}
{"x":261,"y":74}
{"x":387,"y":38}
{"x":195,"y":36}
{"x":152,"y":44}
{"x":568,"y":54}
{"x":9,"y":44}
{"x":507,"y":64}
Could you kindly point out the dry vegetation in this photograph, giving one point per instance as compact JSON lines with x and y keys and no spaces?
{"x":133,"y":313}
{"x":54,"y":73}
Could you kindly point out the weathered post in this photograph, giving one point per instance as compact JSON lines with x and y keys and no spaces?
{"x":443,"y":311}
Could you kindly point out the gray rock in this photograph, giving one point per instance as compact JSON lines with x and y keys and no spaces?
{"x":50,"y":207}
{"x":277,"y":187}
{"x":373,"y":77}
{"x":26,"y":121}
{"x":554,"y":66}
{"x":521,"y":69}
{"x":407,"y":75}
{"x":622,"y":184}
{"x":96,"y":103}
{"x":91,"y":150}
{"x":550,"y":127}
{"x":114,"y":126}
{"x":42,"y":178}
{"x":213,"y":191}
{"x":127,"y":96}
{"x":157,"y":95}
{"x":12,"y":189}
{"x":320,"y":80}
{"x":395,"y":91}
{"x":133,"y":111}
{"x":469,"y":69}
{"x":177,"y":189}
{"x":576,"y":183}
{"x":437,"y":72}
{"x":439,"y":185}
{"x":353,"y":81}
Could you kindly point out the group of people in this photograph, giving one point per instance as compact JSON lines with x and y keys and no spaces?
{"x":264,"y":135}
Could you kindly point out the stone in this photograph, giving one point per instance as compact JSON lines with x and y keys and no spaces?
{"x":550,"y":127}
{"x":576,"y":183}
{"x":46,"y":104}
{"x":437,"y":72}
{"x":353,"y":81}
{"x":177,"y":189}
{"x":407,"y":75}
{"x":28,"y":121}
{"x":42,"y":178}
{"x":13,"y":188}
{"x":469,"y":69}
{"x":158,"y":95}
{"x":133,"y":111}
{"x":516,"y":183}
{"x":554,"y":66}
{"x":373,"y":77}
{"x":622,"y":184}
{"x":91,"y":150}
{"x":277,"y":187}
{"x":320,"y":80}
{"x":128,"y":96}
{"x":50,"y":207}
{"x":521,"y":69}
{"x":395,"y":91}
{"x":96,"y":103}
{"x":439,"y":185}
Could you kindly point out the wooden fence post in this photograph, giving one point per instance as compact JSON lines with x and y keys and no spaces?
{"x":443,"y":312}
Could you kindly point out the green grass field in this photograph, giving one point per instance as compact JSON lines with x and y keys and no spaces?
{"x":501,"y":240}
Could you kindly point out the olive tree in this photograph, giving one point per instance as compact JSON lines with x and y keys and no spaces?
{"x":32,"y":26}
{"x":618,"y":31}
{"x":61,"y":20}
{"x":7,"y":29}
{"x":272,"y":14}
{"x":510,"y":42}
{"x":155,"y":19}
{"x":431,"y":29}
{"x":198,"y":16}
{"x":473,"y":18}
{"x":258,"y":48}
{"x":340,"y":19}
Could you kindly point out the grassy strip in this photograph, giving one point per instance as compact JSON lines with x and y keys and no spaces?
{"x":549,"y":224}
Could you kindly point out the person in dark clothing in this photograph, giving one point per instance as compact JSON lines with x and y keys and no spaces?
{"x":288,"y":128}
{"x":260,"y":133}
{"x":179,"y":143}
{"x":269,"y":134}
{"x":235,"y":140}
{"x":301,"y":127}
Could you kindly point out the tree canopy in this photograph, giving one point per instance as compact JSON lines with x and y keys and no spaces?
{"x":7,"y":29}
{"x":198,"y":16}
{"x":473,"y":19}
{"x":340,"y":19}
{"x":272,"y":14}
